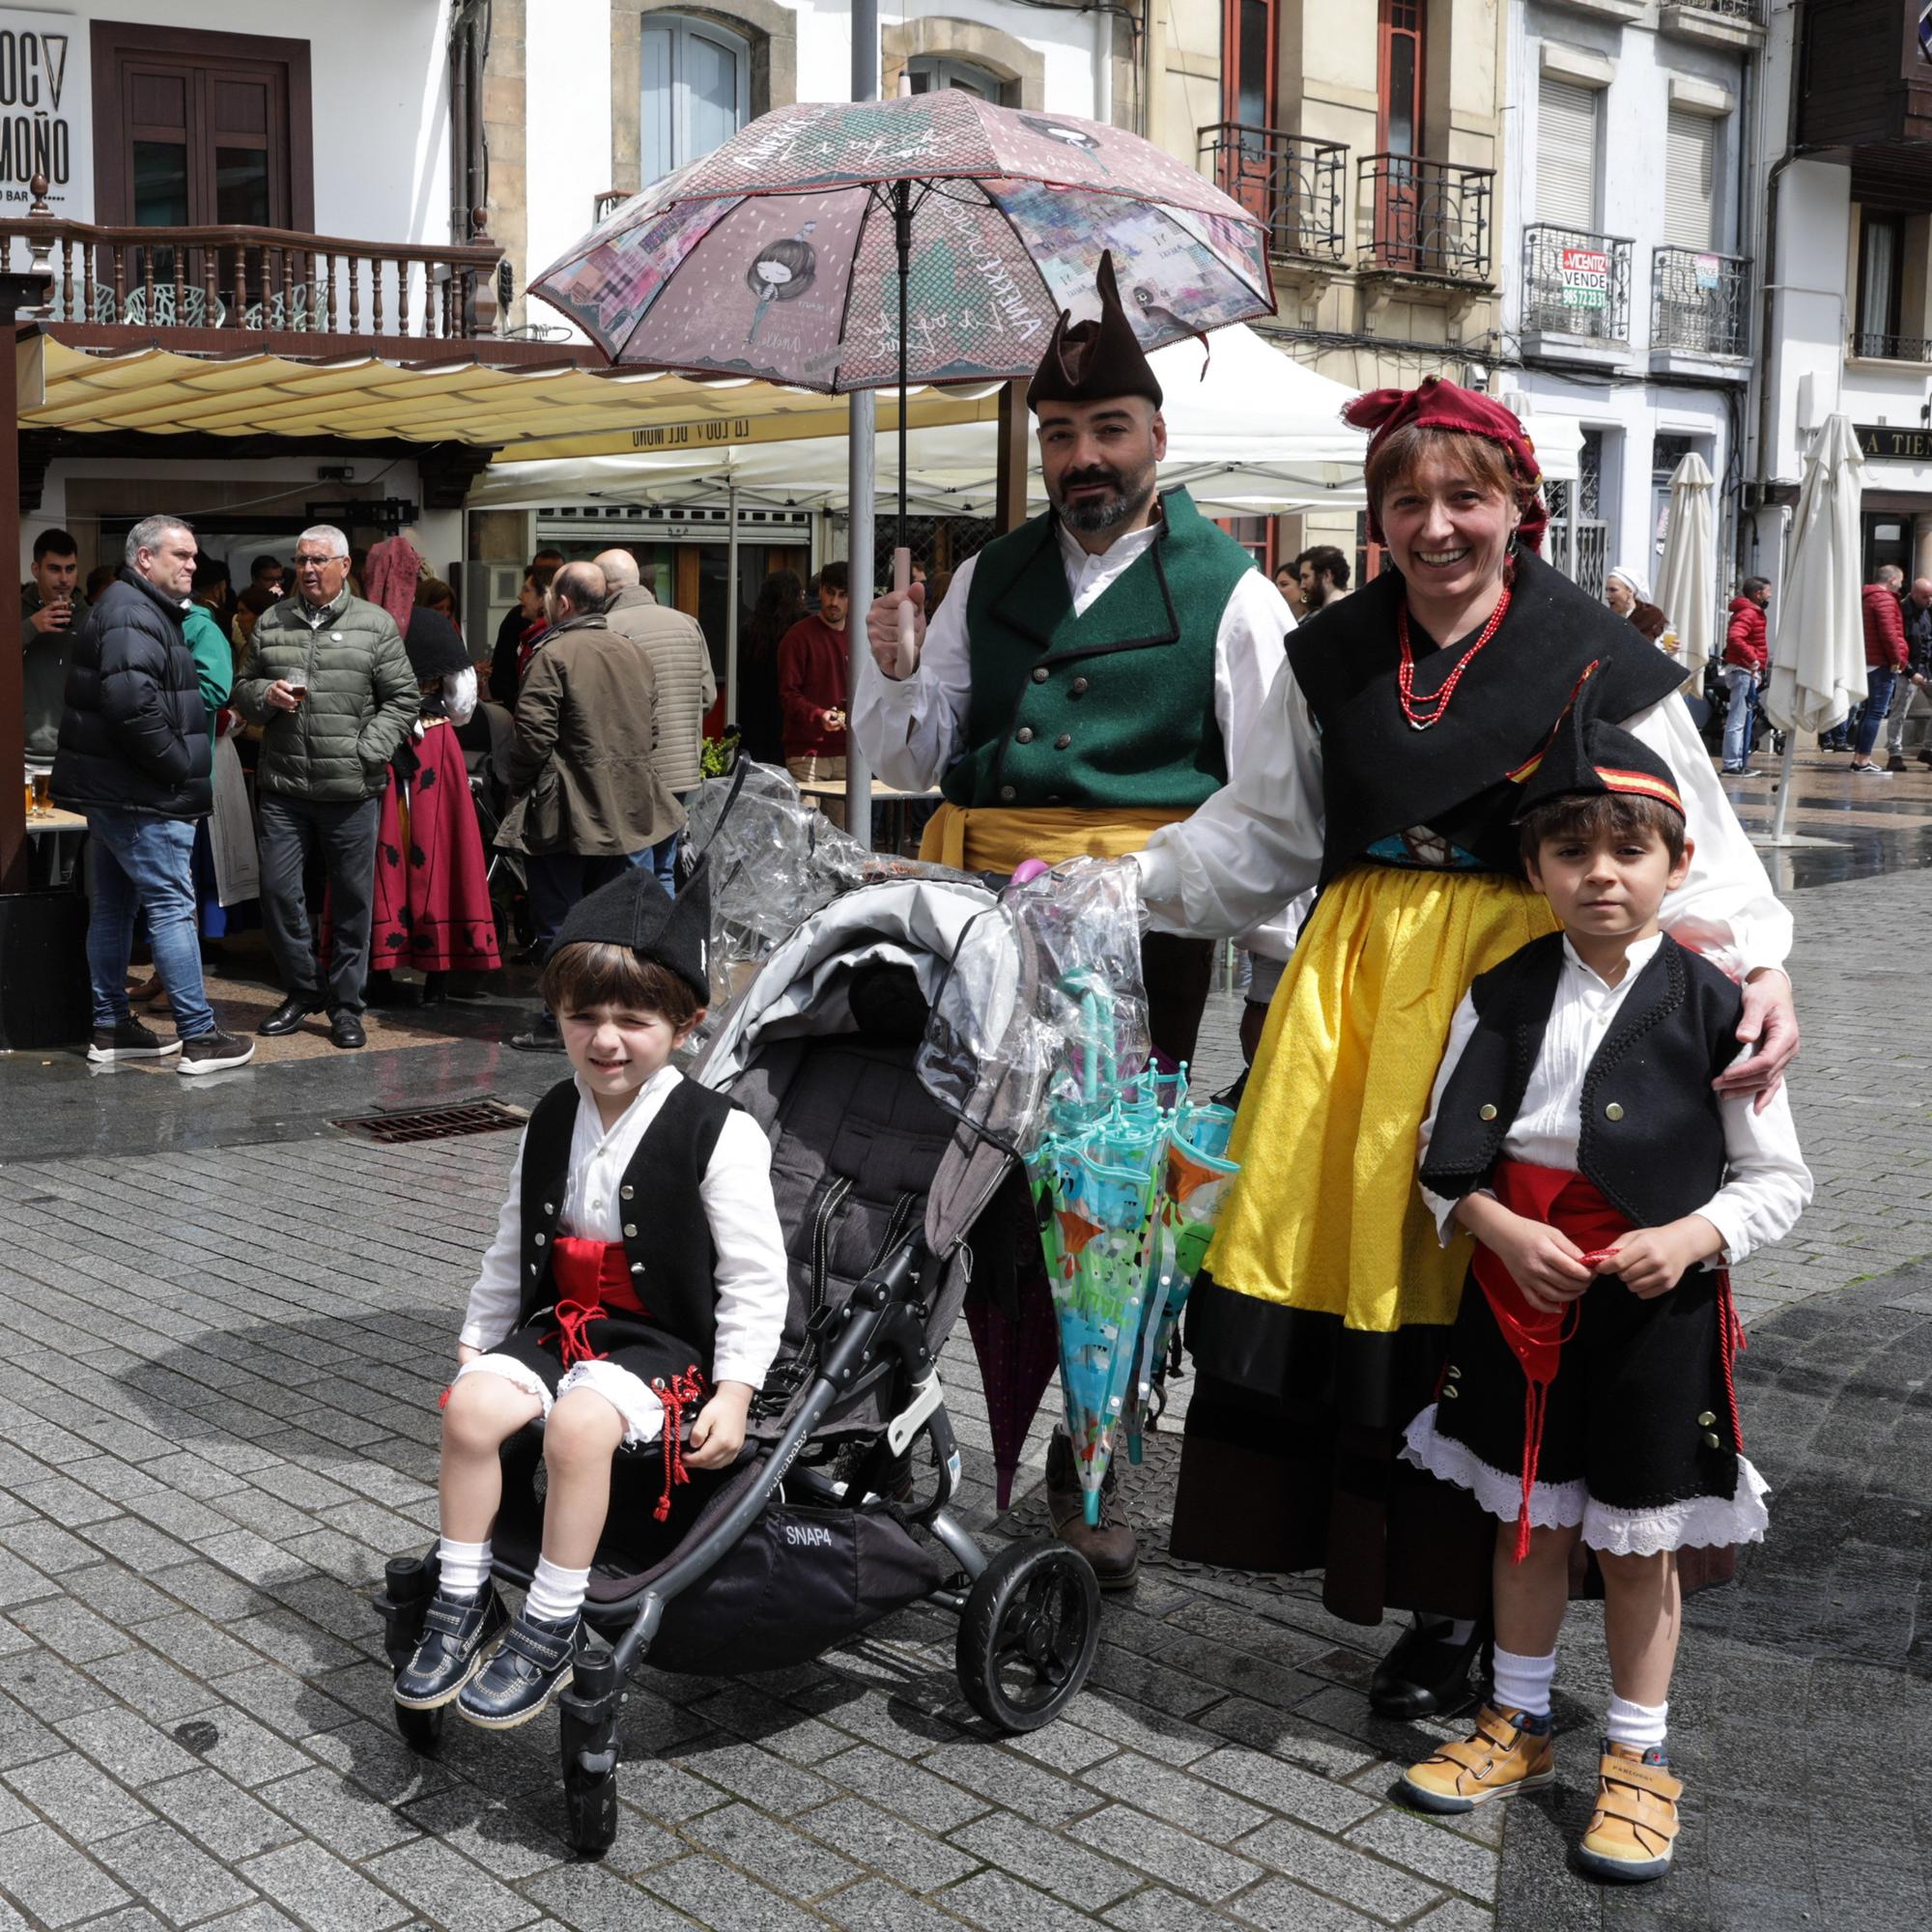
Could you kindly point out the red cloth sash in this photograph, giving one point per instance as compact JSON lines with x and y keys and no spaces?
{"x":1574,"y":1207}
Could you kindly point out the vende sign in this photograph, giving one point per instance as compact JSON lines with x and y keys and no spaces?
{"x":47,"y":111}
{"x":1586,"y":274}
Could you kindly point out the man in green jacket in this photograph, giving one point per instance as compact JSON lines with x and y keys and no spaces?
{"x":328,"y":679}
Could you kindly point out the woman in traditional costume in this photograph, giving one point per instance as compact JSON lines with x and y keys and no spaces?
{"x":1387,"y":772}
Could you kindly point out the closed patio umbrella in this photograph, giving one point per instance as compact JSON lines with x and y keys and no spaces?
{"x":1687,"y":585}
{"x":1818,"y":649}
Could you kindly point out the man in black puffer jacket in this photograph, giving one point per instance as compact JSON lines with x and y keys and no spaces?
{"x":134,"y":758}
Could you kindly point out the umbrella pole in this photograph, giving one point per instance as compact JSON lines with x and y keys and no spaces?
{"x":731,"y":610}
{"x":901,"y":551}
{"x":1784,"y":786}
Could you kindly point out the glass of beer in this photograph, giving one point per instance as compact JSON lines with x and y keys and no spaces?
{"x":44,"y":794}
{"x":30,"y":799}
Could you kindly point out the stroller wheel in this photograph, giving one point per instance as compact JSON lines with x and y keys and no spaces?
{"x":587,"y":1739}
{"x":422,"y":1730}
{"x":1028,"y":1633}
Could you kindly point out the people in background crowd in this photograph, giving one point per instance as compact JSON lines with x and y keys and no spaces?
{"x":761,"y":718}
{"x":505,"y":660}
{"x":434,"y":594}
{"x":213,"y":590}
{"x":248,"y":608}
{"x":1324,"y":572}
{"x":134,"y":758}
{"x":328,"y":680}
{"x":1747,"y":659}
{"x":687,"y":686}
{"x":269,"y":573}
{"x":1885,"y":662}
{"x":51,"y":612}
{"x":1912,"y":700}
{"x":812,"y":686}
{"x":587,"y":799}
{"x":1626,"y":592}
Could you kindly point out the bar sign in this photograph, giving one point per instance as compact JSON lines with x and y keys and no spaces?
{"x":1586,"y":274}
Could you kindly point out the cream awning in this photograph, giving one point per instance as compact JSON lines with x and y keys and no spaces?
{"x":532,"y":412}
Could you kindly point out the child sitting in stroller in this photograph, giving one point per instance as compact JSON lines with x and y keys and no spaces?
{"x":637,"y":1274}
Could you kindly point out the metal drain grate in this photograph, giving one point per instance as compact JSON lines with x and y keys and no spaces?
{"x":435,"y":1123}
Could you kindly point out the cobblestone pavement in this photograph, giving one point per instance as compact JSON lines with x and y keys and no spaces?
{"x":217,"y":1418}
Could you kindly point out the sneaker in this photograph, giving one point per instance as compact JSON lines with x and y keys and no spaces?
{"x":1735,"y":770}
{"x":1633,"y":1829}
{"x":211,"y":1052}
{"x":1509,"y":1752}
{"x":129,"y":1040}
{"x":457,"y":1635}
{"x":1865,"y":769}
{"x":532,"y":1664}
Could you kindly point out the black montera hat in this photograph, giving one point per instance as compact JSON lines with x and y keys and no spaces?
{"x":633,"y":910}
{"x":1590,"y":755}
{"x":1086,"y":361}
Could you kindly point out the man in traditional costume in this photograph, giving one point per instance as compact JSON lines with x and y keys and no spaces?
{"x":1388,"y":771}
{"x":1092,"y":675}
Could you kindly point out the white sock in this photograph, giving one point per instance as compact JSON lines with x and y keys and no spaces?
{"x":465,"y":1567}
{"x":1522,"y":1683}
{"x":556,"y":1594}
{"x":1639,"y":1725}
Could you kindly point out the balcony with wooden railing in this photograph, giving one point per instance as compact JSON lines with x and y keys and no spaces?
{"x":269,"y":281}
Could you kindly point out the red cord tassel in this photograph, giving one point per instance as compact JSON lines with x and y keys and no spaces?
{"x":1731,"y":1345}
{"x":676,"y":1395}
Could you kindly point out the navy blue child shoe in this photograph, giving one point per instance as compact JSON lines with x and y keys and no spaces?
{"x":524,"y":1672}
{"x":457,"y":1631}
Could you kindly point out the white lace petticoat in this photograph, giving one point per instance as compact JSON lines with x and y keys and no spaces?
{"x":631,"y":1396}
{"x":1697,"y":1523}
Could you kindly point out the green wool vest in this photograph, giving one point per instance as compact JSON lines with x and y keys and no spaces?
{"x":1113,"y":708}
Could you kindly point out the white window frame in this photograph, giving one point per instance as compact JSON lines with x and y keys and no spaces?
{"x":663,"y":144}
{"x":940,"y":71}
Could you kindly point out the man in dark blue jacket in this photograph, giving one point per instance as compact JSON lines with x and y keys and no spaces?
{"x":134,"y":756}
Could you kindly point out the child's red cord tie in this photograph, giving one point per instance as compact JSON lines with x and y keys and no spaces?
{"x":573,"y":1324}
{"x":676,"y":1395}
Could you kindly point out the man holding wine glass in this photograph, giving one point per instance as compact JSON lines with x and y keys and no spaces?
{"x":51,"y":609}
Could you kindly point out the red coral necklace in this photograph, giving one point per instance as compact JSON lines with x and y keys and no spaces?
{"x":1423,"y":712}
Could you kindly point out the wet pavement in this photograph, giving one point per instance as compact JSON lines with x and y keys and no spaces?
{"x":225,"y":1324}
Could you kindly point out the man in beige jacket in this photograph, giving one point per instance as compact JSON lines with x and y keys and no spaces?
{"x":587,"y":797}
{"x":687,"y":688}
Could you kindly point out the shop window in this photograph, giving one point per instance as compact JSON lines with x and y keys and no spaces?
{"x":696,"y":90}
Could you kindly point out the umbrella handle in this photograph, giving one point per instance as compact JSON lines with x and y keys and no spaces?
{"x":908,"y":660}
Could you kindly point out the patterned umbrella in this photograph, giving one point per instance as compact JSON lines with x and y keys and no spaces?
{"x":841,"y":245}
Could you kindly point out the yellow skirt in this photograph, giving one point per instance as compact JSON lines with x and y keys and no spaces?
{"x":995,"y":838}
{"x":1325,"y":1214}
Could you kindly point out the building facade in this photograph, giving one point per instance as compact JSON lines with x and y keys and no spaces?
{"x":1630,"y":206}
{"x":1848,"y":155}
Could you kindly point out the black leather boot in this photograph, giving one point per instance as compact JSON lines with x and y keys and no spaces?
{"x":1426,"y":1674}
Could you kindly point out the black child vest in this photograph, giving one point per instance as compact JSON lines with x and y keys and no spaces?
{"x":667,"y":1234}
{"x":1652,"y":1140}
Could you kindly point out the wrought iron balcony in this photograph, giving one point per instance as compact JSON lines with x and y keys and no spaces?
{"x":1575,"y":284}
{"x":1289,"y":182}
{"x":1892,"y":348}
{"x":1427,"y":217}
{"x":1699,"y":302}
{"x":1748,"y":13}
{"x":271,"y":280}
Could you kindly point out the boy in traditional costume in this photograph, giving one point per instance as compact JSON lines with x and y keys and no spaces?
{"x":1094,"y":674}
{"x":1574,"y":1133}
{"x":637,"y":1277}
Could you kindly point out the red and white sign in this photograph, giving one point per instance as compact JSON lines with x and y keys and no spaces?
{"x":1586,"y":274}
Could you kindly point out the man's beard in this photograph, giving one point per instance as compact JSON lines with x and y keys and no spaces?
{"x":1131,"y":496}
{"x":1316,"y":595}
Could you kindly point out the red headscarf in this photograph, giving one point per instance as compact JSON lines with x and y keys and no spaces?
{"x":1435,"y":404}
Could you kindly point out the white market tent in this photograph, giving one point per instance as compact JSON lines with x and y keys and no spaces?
{"x":1252,"y":433}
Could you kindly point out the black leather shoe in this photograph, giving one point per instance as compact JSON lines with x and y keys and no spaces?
{"x":539,"y":1038}
{"x":457,"y":1633}
{"x":1426,"y":1675}
{"x":345,"y":1028}
{"x":524,"y":1672}
{"x":288,"y":1017}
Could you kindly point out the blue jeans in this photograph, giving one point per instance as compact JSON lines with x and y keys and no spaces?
{"x":1879,"y":680}
{"x":143,"y":863}
{"x":664,"y":863}
{"x":557,"y":880}
{"x":1743,"y":683}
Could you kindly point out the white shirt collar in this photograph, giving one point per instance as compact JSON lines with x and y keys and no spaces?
{"x":1121,"y":551}
{"x":1640,"y":953}
{"x":664,"y":1077}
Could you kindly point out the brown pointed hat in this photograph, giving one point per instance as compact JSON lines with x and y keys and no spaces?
{"x":1087,"y":362}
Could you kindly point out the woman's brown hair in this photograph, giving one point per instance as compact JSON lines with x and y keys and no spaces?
{"x":1404,"y":450}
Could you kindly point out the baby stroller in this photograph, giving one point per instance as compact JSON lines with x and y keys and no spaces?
{"x":813,"y":1537}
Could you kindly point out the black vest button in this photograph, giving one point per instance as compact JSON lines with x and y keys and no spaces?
{"x":1451,"y":1391}
{"x":630,"y":1231}
{"x":626,"y":1191}
{"x":1078,"y":686}
{"x":1706,"y":1420}
{"x":1040,"y":674}
{"x":1711,"y":1439}
{"x":1024,"y":735}
{"x":1008,"y":794}
{"x":1488,"y":1110}
{"x":1615,"y":1110}
{"x":541,"y":1239}
{"x":1060,"y":743}
{"x":549,"y":1208}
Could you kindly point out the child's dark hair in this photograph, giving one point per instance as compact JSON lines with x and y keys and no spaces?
{"x":1597,"y":815}
{"x":595,"y":974}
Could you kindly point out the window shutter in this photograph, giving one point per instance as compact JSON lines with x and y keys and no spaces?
{"x":1566,"y":154}
{"x":1691,"y":179}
